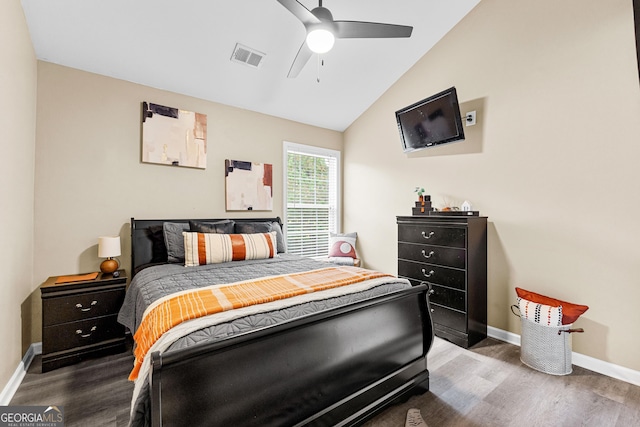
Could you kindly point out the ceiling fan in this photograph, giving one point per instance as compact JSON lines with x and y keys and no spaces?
{"x":322,"y":31}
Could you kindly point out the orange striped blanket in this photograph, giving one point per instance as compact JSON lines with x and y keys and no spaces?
{"x":179,"y":307}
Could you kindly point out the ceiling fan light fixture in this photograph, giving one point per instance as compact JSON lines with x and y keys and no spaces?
{"x":320,"y":40}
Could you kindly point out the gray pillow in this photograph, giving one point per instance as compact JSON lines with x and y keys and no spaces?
{"x":263,"y":227}
{"x":282,"y":245}
{"x":174,"y":240}
{"x":221,"y":227}
{"x":252,"y":227}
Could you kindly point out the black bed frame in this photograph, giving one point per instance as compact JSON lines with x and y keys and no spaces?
{"x":338,"y":367}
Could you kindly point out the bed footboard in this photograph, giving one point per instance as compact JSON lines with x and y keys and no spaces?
{"x":335,"y":368}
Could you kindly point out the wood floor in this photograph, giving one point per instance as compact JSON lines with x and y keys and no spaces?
{"x":93,"y":393}
{"x":489,"y":386}
{"x":484,"y":386}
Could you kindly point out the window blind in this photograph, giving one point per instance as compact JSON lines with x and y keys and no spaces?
{"x":311,"y":187}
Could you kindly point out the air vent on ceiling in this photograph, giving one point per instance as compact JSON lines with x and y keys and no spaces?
{"x":246,"y":55}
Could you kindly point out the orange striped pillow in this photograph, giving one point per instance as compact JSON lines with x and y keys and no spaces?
{"x":214,"y":248}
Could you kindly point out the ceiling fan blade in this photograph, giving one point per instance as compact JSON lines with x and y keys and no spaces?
{"x":362,"y":30}
{"x":301,"y":60}
{"x":300,"y":12}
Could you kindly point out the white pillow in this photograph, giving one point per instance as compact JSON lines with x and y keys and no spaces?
{"x":214,"y":248}
{"x":539,"y":313}
{"x":343,"y":245}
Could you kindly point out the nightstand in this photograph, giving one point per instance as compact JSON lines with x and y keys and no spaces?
{"x":79,"y":319}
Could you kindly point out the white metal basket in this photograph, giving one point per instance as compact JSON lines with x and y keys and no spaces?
{"x":546,"y":348}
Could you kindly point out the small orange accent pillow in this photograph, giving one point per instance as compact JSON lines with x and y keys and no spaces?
{"x":570,"y":311}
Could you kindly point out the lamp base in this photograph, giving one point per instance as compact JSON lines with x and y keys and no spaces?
{"x":109,"y":265}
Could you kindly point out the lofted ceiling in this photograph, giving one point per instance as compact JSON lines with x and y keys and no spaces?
{"x":185,"y":46}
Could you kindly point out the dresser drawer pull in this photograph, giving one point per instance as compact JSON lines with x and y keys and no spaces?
{"x":428,"y":236}
{"x":94,"y":302}
{"x":429,"y":274}
{"x":79,"y":332}
{"x":427,"y":255}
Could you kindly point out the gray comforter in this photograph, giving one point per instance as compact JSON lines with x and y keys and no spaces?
{"x":155,"y":282}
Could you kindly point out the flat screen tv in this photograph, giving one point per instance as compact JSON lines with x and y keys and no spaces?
{"x":432,"y":121}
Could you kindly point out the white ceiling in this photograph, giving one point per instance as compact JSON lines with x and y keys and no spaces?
{"x":185,"y":46}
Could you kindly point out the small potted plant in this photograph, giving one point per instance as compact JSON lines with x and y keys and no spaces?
{"x":420,"y":192}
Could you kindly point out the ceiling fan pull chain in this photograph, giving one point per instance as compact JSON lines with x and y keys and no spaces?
{"x":320,"y":64}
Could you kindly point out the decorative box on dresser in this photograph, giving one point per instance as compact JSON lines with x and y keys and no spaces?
{"x":79,"y":319}
{"x":449,"y":255}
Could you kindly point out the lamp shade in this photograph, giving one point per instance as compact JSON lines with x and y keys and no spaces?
{"x":108,"y":247}
{"x":320,"y":40}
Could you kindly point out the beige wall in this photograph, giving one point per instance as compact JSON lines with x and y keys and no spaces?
{"x":17,"y":141}
{"x":90,"y":181}
{"x":553,"y":162}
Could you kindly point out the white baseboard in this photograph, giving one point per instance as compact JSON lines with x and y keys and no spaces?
{"x":17,"y":377}
{"x":587,"y":362}
{"x":502,"y":335}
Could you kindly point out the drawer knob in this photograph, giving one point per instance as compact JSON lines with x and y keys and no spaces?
{"x":432,"y":310}
{"x":432,"y":291}
{"x":427,"y":255}
{"x":79,"y":306}
{"x":79,"y":332}
{"x":429,"y":274}
{"x":428,"y":236}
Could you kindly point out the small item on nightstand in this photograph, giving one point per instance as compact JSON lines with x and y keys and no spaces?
{"x":76,"y":278}
{"x":109,"y":247}
{"x":466,"y":206}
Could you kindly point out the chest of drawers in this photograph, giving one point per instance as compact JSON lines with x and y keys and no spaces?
{"x":449,"y":255}
{"x":79,"y":319}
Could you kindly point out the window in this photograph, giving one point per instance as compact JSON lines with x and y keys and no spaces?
{"x":311,"y":184}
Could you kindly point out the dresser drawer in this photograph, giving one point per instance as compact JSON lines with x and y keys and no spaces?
{"x":81,"y":306}
{"x":433,"y":235}
{"x":81,"y":333}
{"x":450,"y":277}
{"x":451,"y":257}
{"x":447,"y":297}
{"x":448,"y":317}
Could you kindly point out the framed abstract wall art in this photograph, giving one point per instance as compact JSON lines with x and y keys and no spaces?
{"x":174,"y":137}
{"x":249,"y":186}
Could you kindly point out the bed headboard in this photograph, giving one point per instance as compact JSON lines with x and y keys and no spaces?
{"x":144,"y":234}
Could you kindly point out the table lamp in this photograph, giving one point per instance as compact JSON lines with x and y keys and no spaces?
{"x":109,"y":247}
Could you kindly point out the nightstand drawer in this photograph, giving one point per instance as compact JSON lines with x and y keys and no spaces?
{"x":448,"y":317}
{"x":451,"y":257}
{"x":81,"y":306}
{"x":447,"y":297}
{"x":81,"y":333}
{"x":433,"y":235}
{"x":445,"y":276}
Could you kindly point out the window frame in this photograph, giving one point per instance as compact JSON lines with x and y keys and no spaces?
{"x":311,"y":151}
